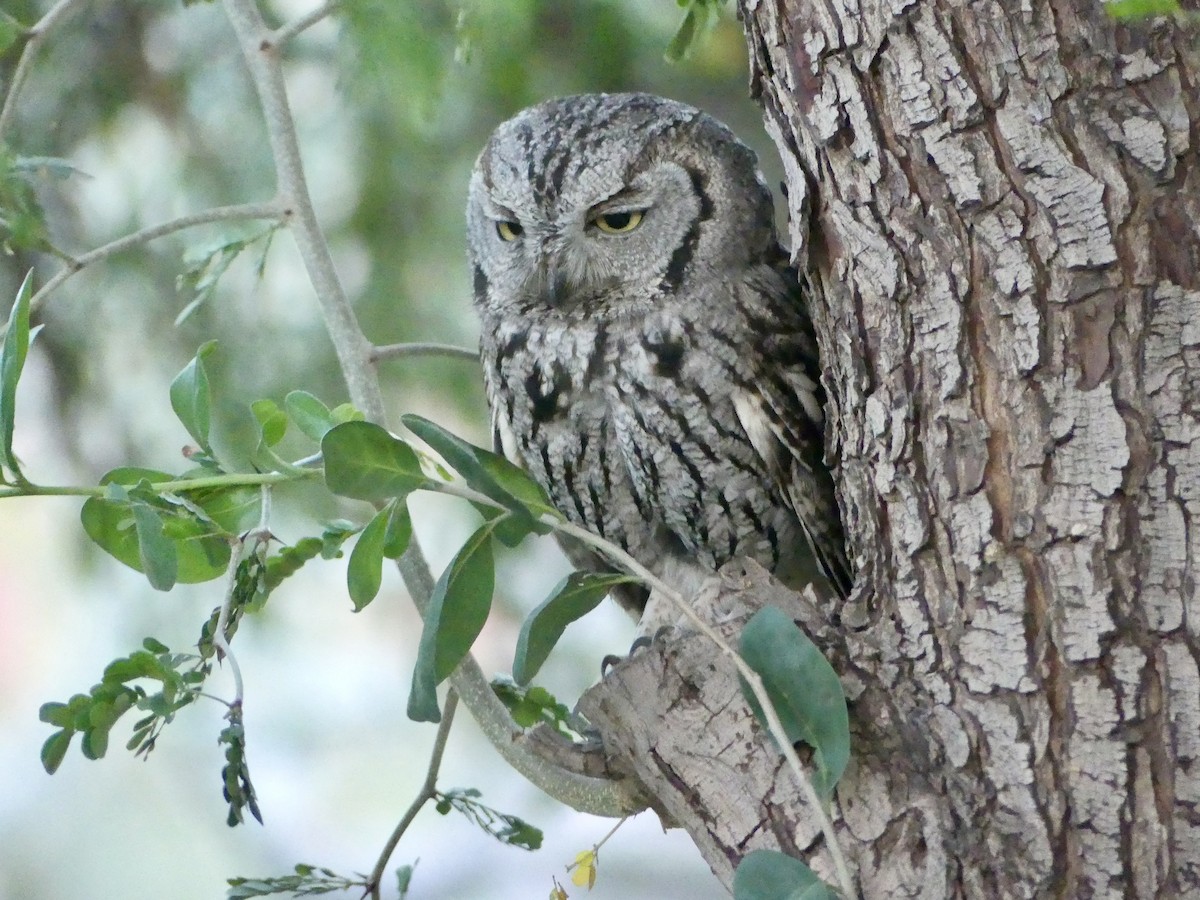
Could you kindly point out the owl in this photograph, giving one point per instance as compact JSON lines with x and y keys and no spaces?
{"x":647,"y":352}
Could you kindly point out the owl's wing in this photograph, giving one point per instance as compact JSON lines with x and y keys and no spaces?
{"x":781,"y":410}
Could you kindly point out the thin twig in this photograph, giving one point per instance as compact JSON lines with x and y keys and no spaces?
{"x":178,"y":486}
{"x":219,"y":640}
{"x":427,"y":792}
{"x":424,"y":348}
{"x":272,"y":209}
{"x":36,"y":37}
{"x":287,"y":32}
{"x":604,"y":840}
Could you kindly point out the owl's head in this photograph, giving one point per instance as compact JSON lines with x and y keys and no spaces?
{"x":608,"y":204}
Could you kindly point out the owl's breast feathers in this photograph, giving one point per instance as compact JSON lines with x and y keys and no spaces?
{"x":691,"y":432}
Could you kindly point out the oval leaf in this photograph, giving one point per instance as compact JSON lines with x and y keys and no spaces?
{"x":456,"y":613}
{"x":200,"y":556}
{"x":190,"y":397}
{"x":490,"y":474}
{"x":399,"y":530}
{"x":233,"y":509}
{"x":55,"y":749}
{"x":771,"y":875}
{"x":156,"y":552}
{"x":12,"y":361}
{"x":311,"y":416}
{"x":363,"y":461}
{"x":572,"y":598}
{"x":272,"y":422}
{"x":804,"y":690}
{"x":364,"y":573}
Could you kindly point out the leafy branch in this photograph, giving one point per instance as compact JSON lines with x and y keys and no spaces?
{"x":261,"y":48}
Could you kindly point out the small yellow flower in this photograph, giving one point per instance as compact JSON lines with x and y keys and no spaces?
{"x":585,"y":869}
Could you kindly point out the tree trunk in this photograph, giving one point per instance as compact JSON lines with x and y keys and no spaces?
{"x":1000,"y":208}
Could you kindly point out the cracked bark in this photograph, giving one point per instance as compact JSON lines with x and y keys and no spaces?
{"x":1000,"y":208}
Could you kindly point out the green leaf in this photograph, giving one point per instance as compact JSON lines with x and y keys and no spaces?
{"x":140,"y":664}
{"x":683,"y":39}
{"x":504,"y":827}
{"x":154,"y":645}
{"x":54,"y":750}
{"x":531,"y":706}
{"x":771,"y":875}
{"x":804,"y":689}
{"x":363,"y":461}
{"x":404,"y":875}
{"x":272,"y":421}
{"x":239,"y":790}
{"x":201,"y":550}
{"x":155,"y":552}
{"x":12,"y":361}
{"x":346,"y":412}
{"x":399,"y":530}
{"x":335,"y":534}
{"x":311,"y":416}
{"x":364,"y":573}
{"x":456,"y":613}
{"x":232,"y":509}
{"x":1141,"y":9}
{"x":203,"y":267}
{"x":23,"y":225}
{"x":94,"y":743}
{"x":10,"y":30}
{"x":572,"y":598}
{"x":490,"y":474}
{"x":59,"y":714}
{"x":697,"y":22}
{"x":47,"y":167}
{"x":308,"y":881}
{"x":190,"y":397}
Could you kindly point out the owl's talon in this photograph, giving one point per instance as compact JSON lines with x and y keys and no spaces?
{"x":641,"y":643}
{"x":608,"y":662}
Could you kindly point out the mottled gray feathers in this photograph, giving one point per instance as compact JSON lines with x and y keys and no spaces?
{"x":648,"y":355}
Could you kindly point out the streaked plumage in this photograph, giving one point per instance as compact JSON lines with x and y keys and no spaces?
{"x":647,"y":353}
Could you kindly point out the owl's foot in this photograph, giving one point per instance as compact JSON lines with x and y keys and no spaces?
{"x":641,"y":642}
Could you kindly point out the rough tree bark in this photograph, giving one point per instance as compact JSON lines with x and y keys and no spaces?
{"x":1001,"y":210}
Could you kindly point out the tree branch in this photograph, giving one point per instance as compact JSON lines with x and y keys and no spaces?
{"x":353,"y":349}
{"x":36,"y":36}
{"x":260,"y":47}
{"x":272,"y":209}
{"x":285,"y":34}
{"x":427,"y":792}
{"x":398,"y":351}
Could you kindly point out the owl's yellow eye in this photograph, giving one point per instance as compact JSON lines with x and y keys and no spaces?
{"x":619,"y":222}
{"x":509,"y":231}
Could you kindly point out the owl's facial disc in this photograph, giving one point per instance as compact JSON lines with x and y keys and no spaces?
{"x":607,"y":242}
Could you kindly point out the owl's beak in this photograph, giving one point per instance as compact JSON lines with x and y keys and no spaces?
{"x":554,"y":284}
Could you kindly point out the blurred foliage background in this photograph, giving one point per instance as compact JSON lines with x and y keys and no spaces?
{"x":150,"y":103}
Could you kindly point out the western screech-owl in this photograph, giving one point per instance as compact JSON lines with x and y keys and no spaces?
{"x":647,"y":351}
